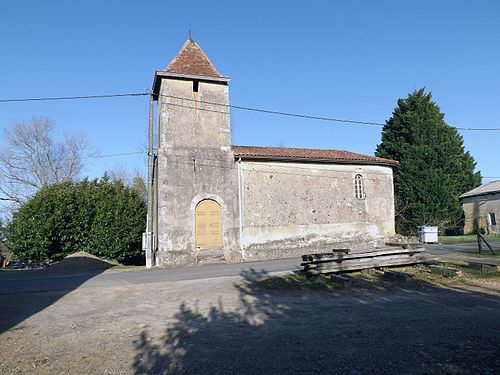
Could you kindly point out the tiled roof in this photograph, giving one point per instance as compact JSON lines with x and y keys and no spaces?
{"x":192,"y":60}
{"x":307,"y":155}
{"x":489,"y":188}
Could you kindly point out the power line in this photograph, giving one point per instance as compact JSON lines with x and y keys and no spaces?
{"x":290,"y":114}
{"x":114,"y":155}
{"x":54,"y":98}
{"x":477,"y":129}
{"x":111,"y":155}
{"x":198,"y":108}
{"x":244,"y":108}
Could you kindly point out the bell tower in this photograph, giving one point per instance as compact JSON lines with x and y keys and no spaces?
{"x":195,"y":164}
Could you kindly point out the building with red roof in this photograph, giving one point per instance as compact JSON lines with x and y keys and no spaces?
{"x":216,"y":202}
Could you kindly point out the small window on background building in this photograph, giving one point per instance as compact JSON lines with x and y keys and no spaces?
{"x":492,"y":219}
{"x":358,"y":186}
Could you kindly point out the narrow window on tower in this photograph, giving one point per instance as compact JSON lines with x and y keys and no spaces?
{"x":195,"y":93}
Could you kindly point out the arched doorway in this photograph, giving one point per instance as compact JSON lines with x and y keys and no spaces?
{"x":208,"y":222}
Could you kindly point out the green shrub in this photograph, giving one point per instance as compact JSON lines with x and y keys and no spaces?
{"x":100,"y":217}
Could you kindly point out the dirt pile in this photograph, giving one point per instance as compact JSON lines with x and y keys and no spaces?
{"x":80,"y":261}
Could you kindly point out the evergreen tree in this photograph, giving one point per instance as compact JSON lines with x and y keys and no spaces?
{"x":434,"y":167}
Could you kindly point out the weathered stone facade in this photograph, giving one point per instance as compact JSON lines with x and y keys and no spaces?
{"x":482,"y":204}
{"x":274,"y":202}
{"x":294,"y":208}
{"x":195,"y":162}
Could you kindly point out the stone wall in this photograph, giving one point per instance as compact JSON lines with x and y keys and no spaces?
{"x":287,"y":208}
{"x":479,"y":207}
{"x":208,"y":127}
{"x":195,"y":162}
{"x":293,"y":208}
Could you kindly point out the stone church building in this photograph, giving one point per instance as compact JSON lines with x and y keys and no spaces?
{"x":217,"y":202}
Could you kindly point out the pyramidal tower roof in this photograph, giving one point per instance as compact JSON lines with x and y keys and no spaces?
{"x":191,"y":60}
{"x":190,"y":63}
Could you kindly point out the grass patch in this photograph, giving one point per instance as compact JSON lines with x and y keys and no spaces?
{"x":121,"y":267}
{"x":421,"y":278}
{"x":469,"y":238}
{"x":465,"y":274}
{"x":422,"y":274}
{"x":486,"y":253}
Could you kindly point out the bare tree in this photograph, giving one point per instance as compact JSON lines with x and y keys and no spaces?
{"x":31,"y":157}
{"x":134,"y":178}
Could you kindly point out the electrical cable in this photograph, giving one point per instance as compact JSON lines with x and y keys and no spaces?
{"x":244,"y":108}
{"x":56,"y":98}
{"x":290,"y":114}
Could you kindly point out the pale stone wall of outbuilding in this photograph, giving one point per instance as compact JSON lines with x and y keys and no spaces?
{"x":294,"y":208}
{"x":478,"y":207}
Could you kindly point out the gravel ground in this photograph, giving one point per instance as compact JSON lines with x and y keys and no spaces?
{"x":229,"y":326}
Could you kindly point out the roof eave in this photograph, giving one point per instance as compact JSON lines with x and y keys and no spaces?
{"x":314,"y":160}
{"x":479,"y":194}
{"x":160,"y":74}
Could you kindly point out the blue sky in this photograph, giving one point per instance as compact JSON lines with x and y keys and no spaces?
{"x":343,"y":59}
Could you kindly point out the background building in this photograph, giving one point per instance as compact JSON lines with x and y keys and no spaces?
{"x":482,"y":204}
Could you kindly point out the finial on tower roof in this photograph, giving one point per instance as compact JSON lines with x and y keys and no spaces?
{"x":191,"y":39}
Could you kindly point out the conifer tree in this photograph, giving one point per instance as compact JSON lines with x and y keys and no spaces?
{"x":434,"y":167}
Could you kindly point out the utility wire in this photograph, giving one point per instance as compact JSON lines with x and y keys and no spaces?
{"x":260,"y":110}
{"x":54,"y":98}
{"x":290,"y":114}
{"x":114,"y":155}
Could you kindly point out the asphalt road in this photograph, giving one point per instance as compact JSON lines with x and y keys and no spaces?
{"x":14,"y":282}
{"x":462,"y":247}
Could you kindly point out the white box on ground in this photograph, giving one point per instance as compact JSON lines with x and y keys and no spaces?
{"x":428,"y":234}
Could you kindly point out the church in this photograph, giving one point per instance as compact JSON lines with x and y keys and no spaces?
{"x":212,"y":201}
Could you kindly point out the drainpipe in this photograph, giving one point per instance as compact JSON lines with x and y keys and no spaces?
{"x":240,"y":208}
{"x":149,"y":221}
{"x":156,"y":180}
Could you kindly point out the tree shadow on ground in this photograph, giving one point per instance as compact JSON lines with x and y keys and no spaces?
{"x":400,"y":330}
{"x":25,"y":293}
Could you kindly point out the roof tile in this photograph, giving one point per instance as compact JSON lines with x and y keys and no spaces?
{"x":307,"y":155}
{"x":489,"y":188}
{"x":192,"y":60}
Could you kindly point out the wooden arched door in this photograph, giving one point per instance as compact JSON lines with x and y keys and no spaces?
{"x":208,"y":222}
